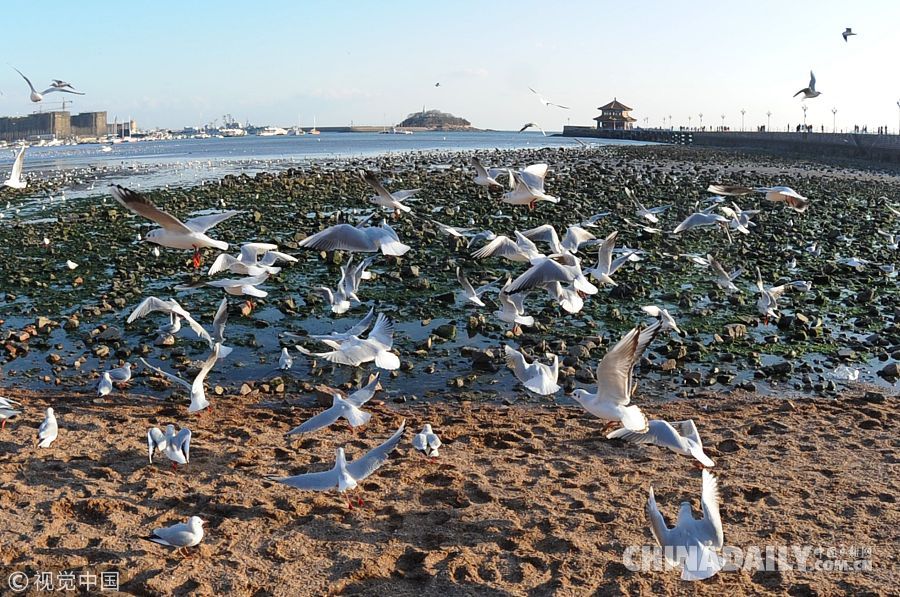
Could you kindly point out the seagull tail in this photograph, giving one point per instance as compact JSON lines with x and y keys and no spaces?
{"x":394,"y":248}
{"x":634,"y":420}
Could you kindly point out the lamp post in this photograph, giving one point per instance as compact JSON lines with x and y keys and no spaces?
{"x":701,"y":119}
{"x":743,"y":111}
{"x":834,"y":120}
{"x":898,"y":117}
{"x":723,"y":121}
{"x":804,"y":117}
{"x":689,"y":123}
{"x":768,"y":120}
{"x":670,"y":121}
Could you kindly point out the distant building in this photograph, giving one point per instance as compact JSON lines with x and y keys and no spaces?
{"x":52,"y":125}
{"x":614,"y":116}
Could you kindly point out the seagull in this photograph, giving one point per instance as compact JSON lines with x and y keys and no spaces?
{"x":152,"y":304}
{"x":173,"y":234}
{"x":522,"y":250}
{"x":355,"y":351}
{"x":606,"y":265}
{"x":700,"y":219}
{"x":181,"y":535}
{"x":785,"y":195}
{"x":642,"y":211}
{"x":37,"y":97}
{"x":8,"y":410}
{"x":728,"y":190}
{"x":218,"y":335}
{"x":285,"y":361}
{"x":358,"y":329}
{"x":248,"y":262}
{"x":48,"y":430}
{"x":472,"y":295}
{"x":386,"y":199}
{"x":15,"y":174}
{"x":71,"y":264}
{"x":668,"y":322}
{"x":575,"y":237}
{"x":847,"y":33}
{"x":591,"y":222}
{"x":568,"y":297}
{"x":59,"y":84}
{"x":512,"y":309}
{"x":452,"y":230}
{"x":345,"y":476}
{"x":740,"y":219}
{"x":529,"y":125}
{"x":427,"y":442}
{"x":349,"y":408}
{"x":681,"y":437}
{"x":891,"y":242}
{"x":767,"y":304}
{"x":198,"y":395}
{"x":529,"y":187}
{"x":698,"y":538}
{"x":545,"y":102}
{"x":118,"y":375}
{"x":368,"y":239}
{"x":177,"y":447}
{"x":615,"y":382}
{"x":536,"y":377}
{"x":554,"y":268}
{"x":723,"y":278}
{"x":106,"y":385}
{"x":483,"y":177}
{"x":337,"y":300}
{"x":809,"y":92}
{"x":236,"y":287}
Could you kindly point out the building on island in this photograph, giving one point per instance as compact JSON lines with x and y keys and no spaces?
{"x":614,"y":116}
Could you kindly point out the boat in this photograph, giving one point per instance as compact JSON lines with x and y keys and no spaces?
{"x":232,"y":132}
{"x":314,"y":130}
{"x":296,"y":131}
{"x":271,"y":131}
{"x":394,"y":131}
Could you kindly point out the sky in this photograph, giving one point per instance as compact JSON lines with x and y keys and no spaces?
{"x":171,"y":64}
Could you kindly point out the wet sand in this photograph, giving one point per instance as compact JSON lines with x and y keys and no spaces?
{"x":523,"y":499}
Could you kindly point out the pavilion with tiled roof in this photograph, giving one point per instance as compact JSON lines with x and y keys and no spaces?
{"x":614,"y":116}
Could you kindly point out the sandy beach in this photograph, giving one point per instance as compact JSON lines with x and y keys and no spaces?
{"x":523,"y":499}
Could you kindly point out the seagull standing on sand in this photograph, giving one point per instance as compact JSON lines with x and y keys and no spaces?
{"x":349,"y":408}
{"x":174,"y":234}
{"x":809,"y":92}
{"x":37,"y":97}
{"x":345,"y":475}
{"x":847,"y":33}
{"x":181,"y":535}
{"x":615,"y":382}
{"x":48,"y":430}
{"x":198,"y":394}
{"x":427,"y":442}
{"x":8,"y":410}
{"x":354,"y":351}
{"x":691,"y":542}
{"x":535,"y":376}
{"x":15,"y":174}
{"x":121,"y":375}
{"x":176,"y":446}
{"x":681,"y":437}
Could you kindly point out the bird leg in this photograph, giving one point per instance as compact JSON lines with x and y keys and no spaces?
{"x":3,"y":424}
{"x":531,"y":204}
{"x":197,"y":260}
{"x":517,"y":330}
{"x":359,"y":500}
{"x":349,"y":503}
{"x":698,"y":466}
{"x":250,"y":305}
{"x":174,"y":467}
{"x":609,"y":425}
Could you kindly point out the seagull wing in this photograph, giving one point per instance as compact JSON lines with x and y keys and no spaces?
{"x":203,"y":223}
{"x":711,"y":525}
{"x":322,"y":481}
{"x":169,"y":376}
{"x":464,"y":282}
{"x":373,"y":182}
{"x":544,"y":233}
{"x":26,"y":80}
{"x":182,"y":443}
{"x":156,"y":440}
{"x":515,"y":360}
{"x":363,"y":324}
{"x":61,"y":90}
{"x":16,"y":172}
{"x":614,"y":369}
{"x":479,"y":169}
{"x":502,"y":246}
{"x":383,"y":331}
{"x":142,"y":206}
{"x":658,"y":527}
{"x":340,"y":237}
{"x":219,"y":321}
{"x":812,"y":81}
{"x":365,"y":393}
{"x":545,"y":272}
{"x":319,"y":421}
{"x":364,"y":466}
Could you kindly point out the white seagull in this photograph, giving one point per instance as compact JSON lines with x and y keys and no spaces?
{"x":285,"y":361}
{"x":355,"y":351}
{"x":174,"y":233}
{"x":648,"y":214}
{"x":691,"y":542}
{"x":345,"y":475}
{"x":472,"y":294}
{"x":535,"y":376}
{"x":385,"y":198}
{"x":176,"y":314}
{"x":664,"y":317}
{"x":350,"y":408}
{"x":15,"y":174}
{"x":512,"y":309}
{"x":544,"y":271}
{"x":545,"y":102}
{"x":767,"y":304}
{"x":483,"y":177}
{"x":681,"y":437}
{"x":615,"y":382}
{"x":723,"y":278}
{"x":181,"y":535}
{"x":785,"y":195}
{"x":529,"y":125}
{"x":37,"y":97}
{"x":606,"y":265}
{"x":248,"y":262}
{"x":48,"y":430}
{"x":367,"y":239}
{"x":427,"y":442}
{"x":698,"y":219}
{"x":529,"y":187}
{"x":575,"y":237}
{"x":8,"y":410}
{"x":522,"y":250}
{"x":176,"y":446}
{"x":198,"y":394}
{"x":809,"y":92}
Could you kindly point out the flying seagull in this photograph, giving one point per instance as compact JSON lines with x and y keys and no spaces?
{"x":350,"y":408}
{"x":15,"y":174}
{"x":532,"y":125}
{"x":174,"y":233}
{"x":681,"y":437}
{"x":847,"y":33}
{"x":535,"y":376}
{"x":547,"y":103}
{"x":37,"y":97}
{"x":385,"y":198}
{"x":367,"y":239}
{"x":809,"y":92}
{"x":198,"y":395}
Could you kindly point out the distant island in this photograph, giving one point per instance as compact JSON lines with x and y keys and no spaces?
{"x":435,"y":119}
